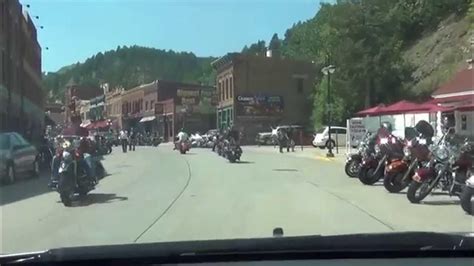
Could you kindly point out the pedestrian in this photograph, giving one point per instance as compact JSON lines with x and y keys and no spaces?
{"x":123,"y":137}
{"x":132,"y":140}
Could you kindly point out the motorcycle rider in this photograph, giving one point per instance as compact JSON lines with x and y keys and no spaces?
{"x":182,"y":136}
{"x":84,"y":147}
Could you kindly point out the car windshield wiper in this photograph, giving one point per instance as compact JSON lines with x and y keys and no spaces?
{"x":347,"y":246}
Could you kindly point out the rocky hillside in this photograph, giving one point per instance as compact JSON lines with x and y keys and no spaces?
{"x":439,"y":54}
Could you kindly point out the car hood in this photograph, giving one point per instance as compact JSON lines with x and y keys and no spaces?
{"x":361,"y":245}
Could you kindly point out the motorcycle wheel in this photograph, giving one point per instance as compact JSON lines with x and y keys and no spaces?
{"x":466,"y":197}
{"x":352,"y":168}
{"x":418,"y":191}
{"x":66,"y":191}
{"x":182,"y":151}
{"x":231,"y":158}
{"x":368,"y":176}
{"x":392,"y":182}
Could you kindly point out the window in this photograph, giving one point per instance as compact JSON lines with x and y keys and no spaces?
{"x":299,"y":85}
{"x":146,"y":105}
{"x":463,"y":122}
{"x":152,"y":106}
{"x":231,"y":87}
{"x":221,"y":91}
{"x":226,"y":89}
{"x":334,"y":130}
{"x":4,"y":141}
{"x":19,"y":139}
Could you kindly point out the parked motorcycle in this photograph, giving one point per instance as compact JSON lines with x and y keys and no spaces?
{"x":386,"y":148}
{"x":466,"y":194}
{"x":157,"y":141}
{"x":354,"y":160}
{"x":73,"y":178}
{"x":447,"y":170}
{"x":398,"y":172}
{"x":232,"y":151}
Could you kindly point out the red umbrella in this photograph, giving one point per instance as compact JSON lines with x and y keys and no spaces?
{"x":372,"y":111}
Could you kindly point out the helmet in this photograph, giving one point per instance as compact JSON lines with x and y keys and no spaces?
{"x":387,"y":126}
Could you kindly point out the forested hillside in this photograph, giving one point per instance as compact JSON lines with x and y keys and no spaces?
{"x":383,"y":50}
{"x":129,"y":67}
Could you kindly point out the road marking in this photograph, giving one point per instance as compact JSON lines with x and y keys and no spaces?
{"x":323,"y":158}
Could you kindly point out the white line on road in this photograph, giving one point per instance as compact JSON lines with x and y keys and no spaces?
{"x":169,"y":206}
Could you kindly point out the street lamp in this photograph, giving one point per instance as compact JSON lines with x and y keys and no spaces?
{"x":327,"y":71}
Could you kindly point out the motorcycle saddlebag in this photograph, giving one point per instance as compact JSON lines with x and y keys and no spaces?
{"x":397,"y":166}
{"x":423,"y":174}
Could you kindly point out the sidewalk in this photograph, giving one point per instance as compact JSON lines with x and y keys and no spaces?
{"x":307,"y":152}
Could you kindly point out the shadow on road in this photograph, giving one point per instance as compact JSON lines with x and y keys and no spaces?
{"x":98,"y":198}
{"x":442,"y":202}
{"x":24,"y":188}
{"x":245,"y":162}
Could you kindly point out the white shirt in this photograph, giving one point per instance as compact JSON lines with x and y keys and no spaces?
{"x":123,"y":135}
{"x":182,"y":136}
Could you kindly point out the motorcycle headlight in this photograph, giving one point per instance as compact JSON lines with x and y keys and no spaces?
{"x":441,"y":153}
{"x":383,"y":140}
{"x":67,"y":156}
{"x":406,"y":151}
{"x":422,"y":141}
{"x":377,"y":149}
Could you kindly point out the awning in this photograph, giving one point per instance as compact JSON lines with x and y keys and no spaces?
{"x":372,"y":111}
{"x":147,"y":119}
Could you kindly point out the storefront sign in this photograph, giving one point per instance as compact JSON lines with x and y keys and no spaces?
{"x":356,"y":131}
{"x":259,"y":105}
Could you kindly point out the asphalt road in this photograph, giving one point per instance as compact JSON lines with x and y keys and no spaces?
{"x":156,"y":194}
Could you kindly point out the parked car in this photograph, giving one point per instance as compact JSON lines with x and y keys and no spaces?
{"x":264,"y":138}
{"x":338,"y":136}
{"x":17,"y":156}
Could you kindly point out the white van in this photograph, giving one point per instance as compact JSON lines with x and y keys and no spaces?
{"x":338,"y":136}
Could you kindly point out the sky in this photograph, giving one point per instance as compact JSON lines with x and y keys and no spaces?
{"x":74,"y":30}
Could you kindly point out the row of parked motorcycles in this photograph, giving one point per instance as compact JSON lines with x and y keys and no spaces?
{"x":419,"y":162}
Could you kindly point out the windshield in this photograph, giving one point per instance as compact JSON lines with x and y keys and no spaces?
{"x":189,"y":95}
{"x":4,"y":142}
{"x":321,"y":130}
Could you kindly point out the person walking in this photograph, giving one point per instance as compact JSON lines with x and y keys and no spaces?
{"x":132,"y":140}
{"x":123,"y":137}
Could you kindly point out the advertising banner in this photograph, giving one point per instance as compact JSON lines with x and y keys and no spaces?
{"x":259,"y":105}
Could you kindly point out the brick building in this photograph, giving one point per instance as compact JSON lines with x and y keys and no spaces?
{"x":132,"y":107}
{"x":74,"y":94}
{"x":113,"y":107}
{"x":256,"y":92}
{"x":183,"y":105}
{"x":21,"y":94}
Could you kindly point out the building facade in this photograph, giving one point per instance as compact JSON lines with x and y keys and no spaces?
{"x":183,"y":105}
{"x":21,"y":94}
{"x":76,"y":93}
{"x":255,"y":92}
{"x":132,"y":107}
{"x":113,"y":107}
